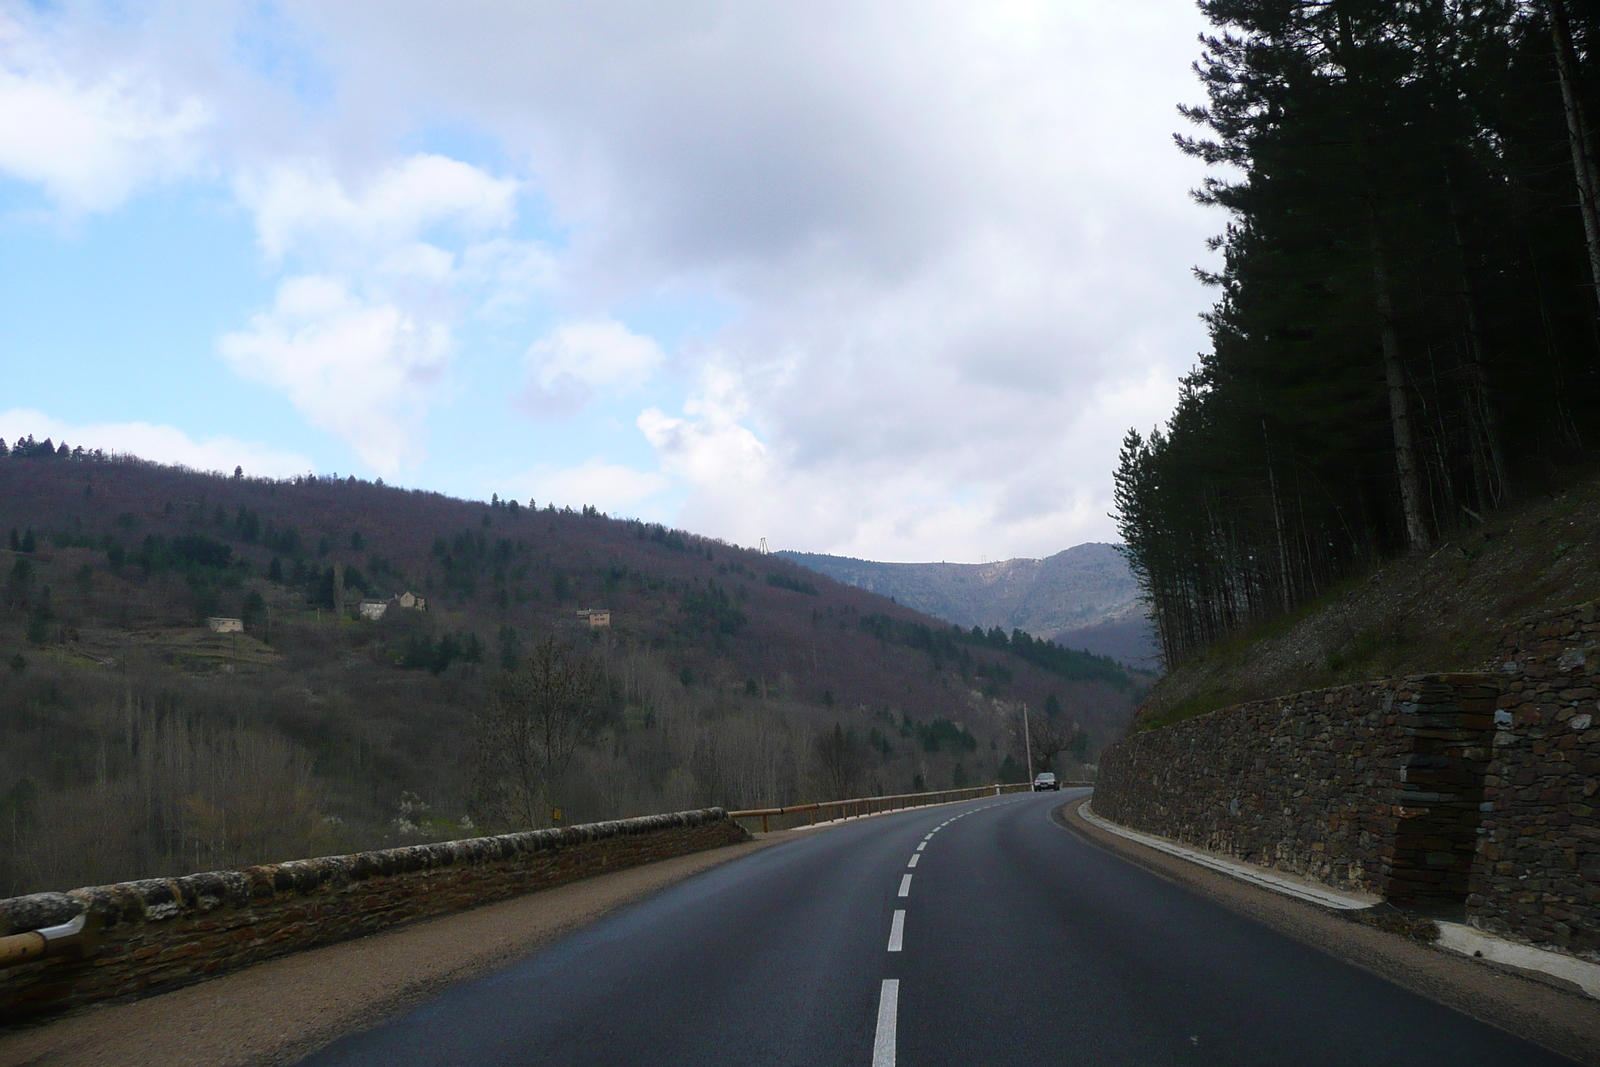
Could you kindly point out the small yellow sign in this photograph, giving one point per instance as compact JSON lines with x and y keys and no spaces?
{"x":555,"y":814}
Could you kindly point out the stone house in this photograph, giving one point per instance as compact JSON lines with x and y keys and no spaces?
{"x":226,"y":626}
{"x":373,"y":609}
{"x":595,"y":617}
{"x":411,"y":602}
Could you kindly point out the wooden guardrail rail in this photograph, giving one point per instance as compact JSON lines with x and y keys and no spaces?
{"x":846,"y":809}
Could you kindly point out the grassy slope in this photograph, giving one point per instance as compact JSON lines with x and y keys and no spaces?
{"x":1443,"y":610}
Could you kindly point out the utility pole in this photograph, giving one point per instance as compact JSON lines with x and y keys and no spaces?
{"x":1027,"y":743}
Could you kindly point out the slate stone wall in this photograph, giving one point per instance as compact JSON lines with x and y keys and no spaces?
{"x":1372,"y":787}
{"x":1538,"y":876}
{"x":1480,"y":791}
{"x":162,"y":933}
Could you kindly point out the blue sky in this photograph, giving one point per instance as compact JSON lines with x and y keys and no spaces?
{"x":830,"y":274}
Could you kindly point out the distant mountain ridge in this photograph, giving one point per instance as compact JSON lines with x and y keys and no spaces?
{"x":1083,"y":597}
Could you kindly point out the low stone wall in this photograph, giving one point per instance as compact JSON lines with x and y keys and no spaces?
{"x":162,"y":933}
{"x":1407,"y":787}
{"x":1371,"y":787}
{"x":1538,"y":878}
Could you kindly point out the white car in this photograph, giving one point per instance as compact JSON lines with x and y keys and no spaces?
{"x":1046,"y":780}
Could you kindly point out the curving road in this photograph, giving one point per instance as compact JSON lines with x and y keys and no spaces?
{"x":976,"y":933}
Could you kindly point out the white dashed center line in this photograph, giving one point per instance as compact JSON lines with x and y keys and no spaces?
{"x":915,"y":856}
{"x":922,"y":846}
{"x":905,"y":885}
{"x":888,"y":1011}
{"x":897,"y":932}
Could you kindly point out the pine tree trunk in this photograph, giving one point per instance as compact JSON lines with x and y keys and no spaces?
{"x":1405,"y":447}
{"x":1480,"y":402}
{"x":1494,"y":488}
{"x":1285,"y":599}
{"x":1578,"y":134}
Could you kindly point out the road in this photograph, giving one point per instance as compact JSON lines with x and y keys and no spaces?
{"x":975,"y":933}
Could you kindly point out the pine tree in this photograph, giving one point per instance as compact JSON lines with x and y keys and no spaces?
{"x":1404,"y":327}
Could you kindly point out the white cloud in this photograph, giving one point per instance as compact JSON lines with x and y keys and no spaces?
{"x":360,"y":369}
{"x":953,"y":248}
{"x":611,"y":487}
{"x":568,"y":365}
{"x":89,"y":141}
{"x":163,"y":444}
{"x":300,"y":206}
{"x":710,"y":450}
{"x":363,"y":342}
{"x":1029,"y":501}
{"x":952,"y":242}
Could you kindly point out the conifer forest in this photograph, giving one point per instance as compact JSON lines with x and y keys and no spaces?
{"x":1405,"y":330}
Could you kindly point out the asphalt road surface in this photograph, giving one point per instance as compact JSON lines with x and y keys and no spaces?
{"x":975,"y":933}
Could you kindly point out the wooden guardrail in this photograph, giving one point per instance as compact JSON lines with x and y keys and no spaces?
{"x":849,"y":809}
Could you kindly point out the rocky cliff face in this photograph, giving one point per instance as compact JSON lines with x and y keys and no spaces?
{"x":1083,"y":597}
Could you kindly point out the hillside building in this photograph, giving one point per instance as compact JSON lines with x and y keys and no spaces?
{"x":373,"y":610}
{"x":226,"y":626}
{"x":595,"y":617}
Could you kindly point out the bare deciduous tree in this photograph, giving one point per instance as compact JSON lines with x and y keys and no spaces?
{"x":1051,"y":735}
{"x":837,"y":762}
{"x":537,"y":717}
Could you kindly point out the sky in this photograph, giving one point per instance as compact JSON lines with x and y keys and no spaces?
{"x":883,"y":279}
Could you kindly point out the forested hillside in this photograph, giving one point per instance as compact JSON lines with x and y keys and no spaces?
{"x":1405,"y":332}
{"x":136,"y":741}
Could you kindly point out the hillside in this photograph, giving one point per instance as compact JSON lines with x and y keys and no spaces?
{"x":1083,"y":597}
{"x":1441,"y":610}
{"x":133,"y":740}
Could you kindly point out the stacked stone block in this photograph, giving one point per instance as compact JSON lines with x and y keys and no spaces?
{"x":1538,"y":876}
{"x":164,"y":932}
{"x":1445,"y":726}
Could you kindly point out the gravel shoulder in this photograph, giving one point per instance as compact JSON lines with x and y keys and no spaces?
{"x":279,"y":1011}
{"x":1563,"y":1022}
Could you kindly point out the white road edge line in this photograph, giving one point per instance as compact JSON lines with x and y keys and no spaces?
{"x":905,"y":885}
{"x":1458,"y":937}
{"x":897,"y":932}
{"x":888,"y":1013}
{"x":915,"y":856}
{"x":1454,"y":937}
{"x":1328,"y":898}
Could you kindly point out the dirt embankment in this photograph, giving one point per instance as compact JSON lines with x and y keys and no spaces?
{"x":1440,"y":610}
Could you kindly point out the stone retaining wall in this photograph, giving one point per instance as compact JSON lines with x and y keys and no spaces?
{"x":1367,"y":787}
{"x":162,"y":933}
{"x":1538,"y":876}
{"x":1472,"y":790}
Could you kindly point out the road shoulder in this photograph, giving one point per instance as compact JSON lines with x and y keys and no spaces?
{"x":282,"y":1010}
{"x":1563,"y":1022}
